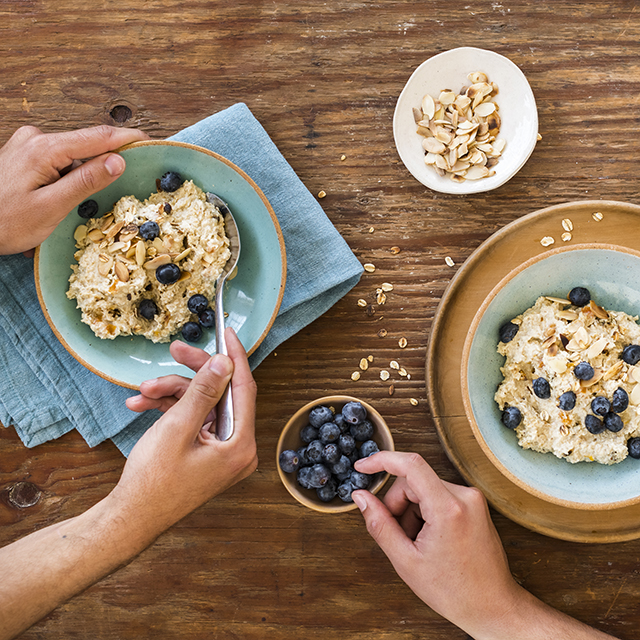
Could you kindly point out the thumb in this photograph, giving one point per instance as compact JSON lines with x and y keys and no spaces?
{"x":383,"y":527}
{"x":82,"y":182}
{"x":202,"y":394}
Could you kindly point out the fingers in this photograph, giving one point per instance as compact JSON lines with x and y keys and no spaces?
{"x":88,"y":143}
{"x":243,"y":388}
{"x":201,"y":396}
{"x":383,"y":527}
{"x":427,"y":488}
{"x":187,"y":355}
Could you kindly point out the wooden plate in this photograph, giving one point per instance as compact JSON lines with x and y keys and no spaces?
{"x":502,"y":252}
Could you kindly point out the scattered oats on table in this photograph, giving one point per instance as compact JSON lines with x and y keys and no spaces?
{"x":449,"y":261}
{"x":547,"y":241}
{"x":460,"y":131}
{"x":368,"y":267}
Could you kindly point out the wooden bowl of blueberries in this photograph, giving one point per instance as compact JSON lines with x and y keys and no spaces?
{"x":319,"y":445}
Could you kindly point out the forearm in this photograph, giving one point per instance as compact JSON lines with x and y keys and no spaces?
{"x":48,"y":567}
{"x":531,"y":619}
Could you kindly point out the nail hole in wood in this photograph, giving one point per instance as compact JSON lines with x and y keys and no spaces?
{"x":121,"y":113}
{"x":24,"y":494}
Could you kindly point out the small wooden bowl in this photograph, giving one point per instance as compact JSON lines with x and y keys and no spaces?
{"x":290,"y":439}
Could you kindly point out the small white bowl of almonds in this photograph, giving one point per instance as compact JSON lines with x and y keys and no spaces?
{"x":466,"y":121}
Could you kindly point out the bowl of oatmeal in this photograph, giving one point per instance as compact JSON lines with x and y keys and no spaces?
{"x":454,"y":157}
{"x":549,"y":377}
{"x":108,"y":302}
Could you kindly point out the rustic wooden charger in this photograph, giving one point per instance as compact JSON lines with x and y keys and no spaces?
{"x":493,"y":260}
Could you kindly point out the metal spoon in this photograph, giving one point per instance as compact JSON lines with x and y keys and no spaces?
{"x":224,"y":421}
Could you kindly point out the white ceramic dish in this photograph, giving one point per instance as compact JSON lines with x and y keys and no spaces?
{"x":611,"y":273}
{"x":449,"y":70}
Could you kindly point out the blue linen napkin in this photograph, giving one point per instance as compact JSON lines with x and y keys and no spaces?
{"x":45,"y":393}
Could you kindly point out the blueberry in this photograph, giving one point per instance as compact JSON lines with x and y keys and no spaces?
{"x":579,"y":296}
{"x":149,"y":230}
{"x":355,"y":455}
{"x":167,"y":208}
{"x":368,"y":448}
{"x":168,"y":273}
{"x":88,"y":209}
{"x":171,"y":181}
{"x":331,"y":454}
{"x":541,"y":388}
{"x":360,"y":480}
{"x":314,"y":451}
{"x":302,"y":455}
{"x":342,"y":466}
{"x":319,"y":476}
{"x":289,"y":461}
{"x":329,"y":491}
{"x":354,"y":412}
{"x":583,"y":371}
{"x":329,"y":432}
{"x":633,"y":444}
{"x":620,"y":400}
{"x":631,"y":354}
{"x":594,"y":425}
{"x":191,"y":331}
{"x":347,"y":443}
{"x":511,"y":417}
{"x":319,"y":415}
{"x":207,"y":318}
{"x":613,"y":422}
{"x":303,"y":477}
{"x":362,"y":431}
{"x":345,"y":490}
{"x":197,"y":303}
{"x":600,"y":406}
{"x":147,"y":309}
{"x":567,"y":401}
{"x":507,"y":331}
{"x":308,"y":434}
{"x":342,"y":424}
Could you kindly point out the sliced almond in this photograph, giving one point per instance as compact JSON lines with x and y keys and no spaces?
{"x":428,"y":106}
{"x":183,"y":255}
{"x":117,"y":246}
{"x":95,"y":235}
{"x":128,"y":233}
{"x":106,"y":222}
{"x":614,"y":371}
{"x":596,"y":348}
{"x":558,"y":365}
{"x":433,"y":146}
{"x":140,"y":253}
{"x":105,"y":263}
{"x":567,"y":314}
{"x":598,"y":311}
{"x":157,"y":262}
{"x":114,"y":229}
{"x":558,"y":300}
{"x":597,"y":376}
{"x":80,"y":233}
{"x":122,"y":272}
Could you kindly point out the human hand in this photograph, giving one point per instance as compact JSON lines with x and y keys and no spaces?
{"x":39,"y":189}
{"x":179,"y":463}
{"x":441,"y":541}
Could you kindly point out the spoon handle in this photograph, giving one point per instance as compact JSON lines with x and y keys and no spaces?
{"x":224,"y":421}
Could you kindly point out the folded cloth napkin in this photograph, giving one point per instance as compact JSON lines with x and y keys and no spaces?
{"x":45,"y":393}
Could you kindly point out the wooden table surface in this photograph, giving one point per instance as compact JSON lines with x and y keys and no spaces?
{"x":323,"y":79}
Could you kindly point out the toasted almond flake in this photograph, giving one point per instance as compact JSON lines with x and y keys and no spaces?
{"x":402,"y":343}
{"x":549,"y":341}
{"x":80,"y":233}
{"x":364,"y":364}
{"x":95,"y":235}
{"x":369,"y":268}
{"x":547,"y":241}
{"x":597,"y":376}
{"x":413,"y":401}
{"x":566,"y":236}
{"x":386,"y":286}
{"x":597,"y":348}
{"x":157,"y":262}
{"x":597,"y":216}
{"x":183,"y":255}
{"x":116,"y":246}
{"x":428,"y":106}
{"x":104,"y":264}
{"x":391,"y":389}
{"x":634,"y":396}
{"x":567,"y":225}
{"x":395,"y":250}
{"x":553,"y":349}
{"x":567,"y":314}
{"x":634,"y":373}
{"x":598,"y":311}
{"x":394,"y":365}
{"x":140,"y":253}
{"x":384,"y":375}
{"x":122,"y":272}
{"x":114,"y":229}
{"x":558,"y":300}
{"x":382,"y":333}
{"x":106,"y":222}
{"x":449,"y":261}
{"x":322,"y":194}
{"x":355,"y":376}
{"x":613,"y":371}
{"x":558,"y":365}
{"x":432,"y":145}
{"x":185,"y":275}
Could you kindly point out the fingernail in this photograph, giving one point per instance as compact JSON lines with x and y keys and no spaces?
{"x":360,"y":501}
{"x":114,"y":164}
{"x":220,"y":365}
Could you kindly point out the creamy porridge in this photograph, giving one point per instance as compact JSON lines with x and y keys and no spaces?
{"x":571,"y":381}
{"x":141,"y":265}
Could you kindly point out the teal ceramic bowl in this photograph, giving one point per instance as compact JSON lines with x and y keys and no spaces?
{"x":252,"y":299}
{"x":612,"y":275}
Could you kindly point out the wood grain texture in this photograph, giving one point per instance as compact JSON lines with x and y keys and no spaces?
{"x":323,"y":78}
